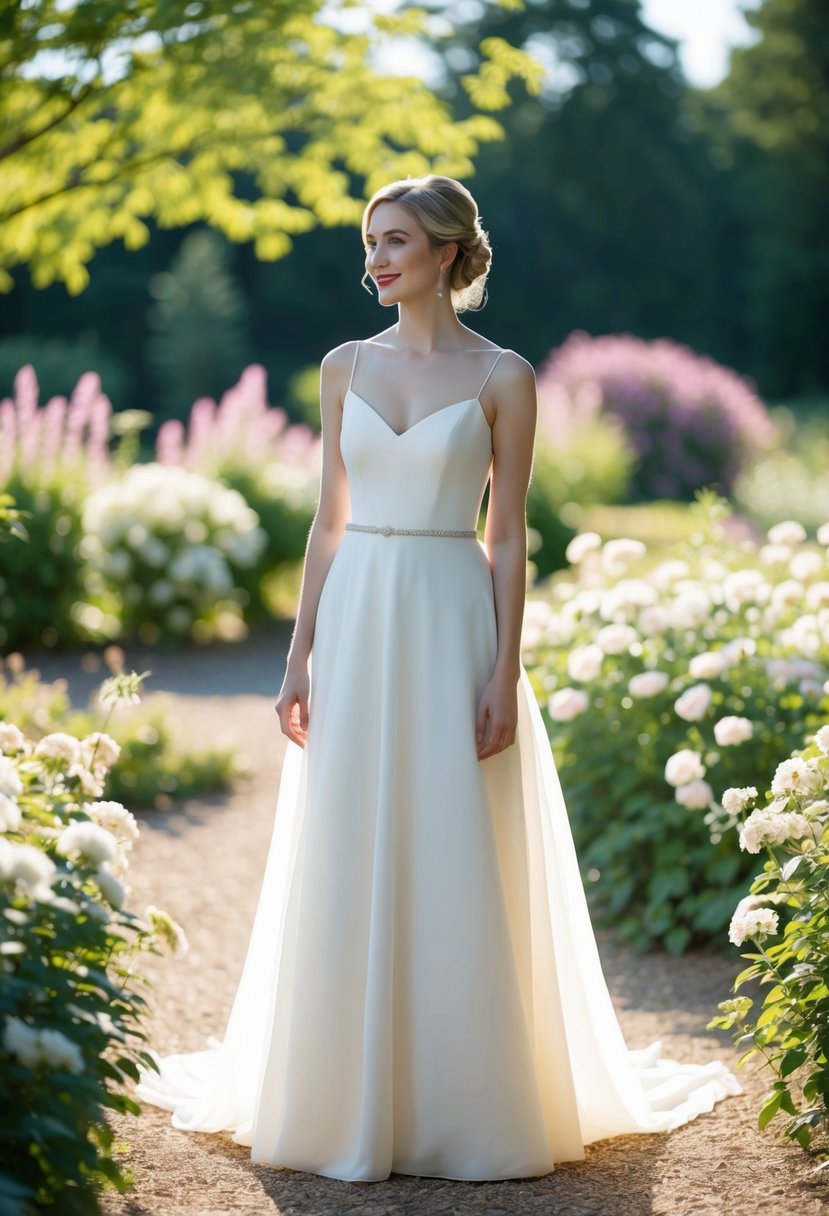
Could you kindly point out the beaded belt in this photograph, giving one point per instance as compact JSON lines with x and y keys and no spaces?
{"x":388,"y":530}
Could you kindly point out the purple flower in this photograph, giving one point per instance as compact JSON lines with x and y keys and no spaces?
{"x":690,"y":421}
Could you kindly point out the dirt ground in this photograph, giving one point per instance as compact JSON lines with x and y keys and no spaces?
{"x":203,"y":861}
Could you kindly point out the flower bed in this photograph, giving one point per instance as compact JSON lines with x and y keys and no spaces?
{"x":707,"y":665}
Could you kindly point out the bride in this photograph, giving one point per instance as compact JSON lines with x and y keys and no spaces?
{"x":422,"y":991}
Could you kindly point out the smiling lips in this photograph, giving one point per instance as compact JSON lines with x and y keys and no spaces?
{"x":384,"y":279}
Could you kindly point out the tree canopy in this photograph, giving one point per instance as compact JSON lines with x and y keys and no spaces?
{"x":261,"y":118}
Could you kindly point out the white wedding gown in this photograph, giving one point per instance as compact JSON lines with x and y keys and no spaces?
{"x":422,"y":991}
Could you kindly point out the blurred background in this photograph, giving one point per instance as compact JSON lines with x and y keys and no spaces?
{"x":180,"y":209}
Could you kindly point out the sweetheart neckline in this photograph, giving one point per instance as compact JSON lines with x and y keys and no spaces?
{"x":420,"y":421}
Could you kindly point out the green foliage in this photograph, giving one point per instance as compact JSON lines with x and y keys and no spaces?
{"x":769,"y":124}
{"x":637,"y":661}
{"x":199,"y":345}
{"x":792,"y":479}
{"x":71,"y":1000}
{"x":589,"y":464}
{"x":40,"y":579}
{"x":202,"y":99}
{"x":785,"y":919}
{"x":153,"y":767}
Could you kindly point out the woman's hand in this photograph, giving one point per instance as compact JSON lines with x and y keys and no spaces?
{"x":292,"y":705}
{"x":497,"y":718}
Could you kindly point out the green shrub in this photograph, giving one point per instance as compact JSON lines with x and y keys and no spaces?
{"x":71,"y":1006}
{"x":641,"y":668}
{"x":785,"y":921}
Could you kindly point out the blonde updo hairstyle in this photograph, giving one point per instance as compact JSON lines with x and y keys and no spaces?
{"x":446,"y":210}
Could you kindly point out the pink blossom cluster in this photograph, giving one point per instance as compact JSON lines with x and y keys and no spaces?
{"x":691,"y":421}
{"x":242,"y":432}
{"x":36,"y":443}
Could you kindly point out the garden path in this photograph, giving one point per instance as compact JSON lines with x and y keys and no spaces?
{"x":202,"y":860}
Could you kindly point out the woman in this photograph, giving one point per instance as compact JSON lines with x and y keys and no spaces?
{"x":422,"y":991}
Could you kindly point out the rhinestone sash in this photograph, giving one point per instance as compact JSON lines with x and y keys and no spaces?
{"x":388,"y":530}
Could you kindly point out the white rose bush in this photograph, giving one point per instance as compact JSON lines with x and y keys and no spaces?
{"x":71,"y":1003}
{"x":664,"y":679}
{"x":162,"y":550}
{"x":782,"y":924}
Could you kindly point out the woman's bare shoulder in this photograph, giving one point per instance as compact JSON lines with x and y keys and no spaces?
{"x":339,"y":358}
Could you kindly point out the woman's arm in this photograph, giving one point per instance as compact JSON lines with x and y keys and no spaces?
{"x":324,"y":539}
{"x":505,"y":538}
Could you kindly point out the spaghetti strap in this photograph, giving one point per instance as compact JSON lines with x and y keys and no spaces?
{"x":353,"y":363}
{"x":489,"y":373}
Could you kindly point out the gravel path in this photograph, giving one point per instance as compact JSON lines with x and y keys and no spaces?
{"x":203,"y":862}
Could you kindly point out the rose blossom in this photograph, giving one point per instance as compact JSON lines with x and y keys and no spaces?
{"x":788,"y":532}
{"x":59,"y":746}
{"x":647,"y":684}
{"x":732,"y":730}
{"x":708,"y":665}
{"x":616,"y":638}
{"x":567,"y":704}
{"x":696,"y":795}
{"x":795,"y":776}
{"x":683,"y":767}
{"x":734,"y":800}
{"x":585,"y":663}
{"x":822,"y":739}
{"x":694,"y":702}
{"x":10,"y":783}
{"x":769,"y":826}
{"x":88,"y":840}
{"x":756,"y":923}
{"x":581,"y":545}
{"x":11,"y":737}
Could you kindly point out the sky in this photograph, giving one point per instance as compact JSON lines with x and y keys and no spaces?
{"x":706,"y":30}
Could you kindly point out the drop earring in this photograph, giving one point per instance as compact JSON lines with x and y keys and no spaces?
{"x":440,"y":286}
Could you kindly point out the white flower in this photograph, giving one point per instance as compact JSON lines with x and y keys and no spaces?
{"x":115,"y":817}
{"x":21,"y":1041}
{"x":696,"y":795}
{"x":683,"y":767}
{"x":669,"y":572}
{"x":28,"y":866}
{"x":60,"y":1052}
{"x":769,"y":826}
{"x":567,"y":704}
{"x":691,"y":608}
{"x":737,"y":649}
{"x":621,"y":602}
{"x":112,"y":889}
{"x":92,"y":785}
{"x":616,"y":638}
{"x":775,"y":554}
{"x":585,"y":662}
{"x":708,"y":665}
{"x":756,"y":923}
{"x":694,"y":702}
{"x":34,"y":1048}
{"x":59,"y":746}
{"x":789,"y":532}
{"x":10,"y":814}
{"x":581,"y":545}
{"x":647,"y":684}
{"x":817,"y":595}
{"x":732,"y":730}
{"x":653,"y":621}
{"x":735,"y":800}
{"x":617,"y":554}
{"x":100,"y":749}
{"x":806,"y":564}
{"x":88,"y":840}
{"x":10,"y":783}
{"x":823,"y":534}
{"x":822,"y":739}
{"x":11,"y":737}
{"x":795,"y":776}
{"x":745,"y":587}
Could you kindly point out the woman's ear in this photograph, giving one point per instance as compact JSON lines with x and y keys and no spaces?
{"x":448,"y":254}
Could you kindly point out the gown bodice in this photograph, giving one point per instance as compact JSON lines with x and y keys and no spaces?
{"x":432,"y":475}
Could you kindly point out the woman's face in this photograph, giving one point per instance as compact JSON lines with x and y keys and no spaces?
{"x":398,"y":255}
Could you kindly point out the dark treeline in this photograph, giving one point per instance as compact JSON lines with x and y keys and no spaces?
{"x":621,"y":200}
